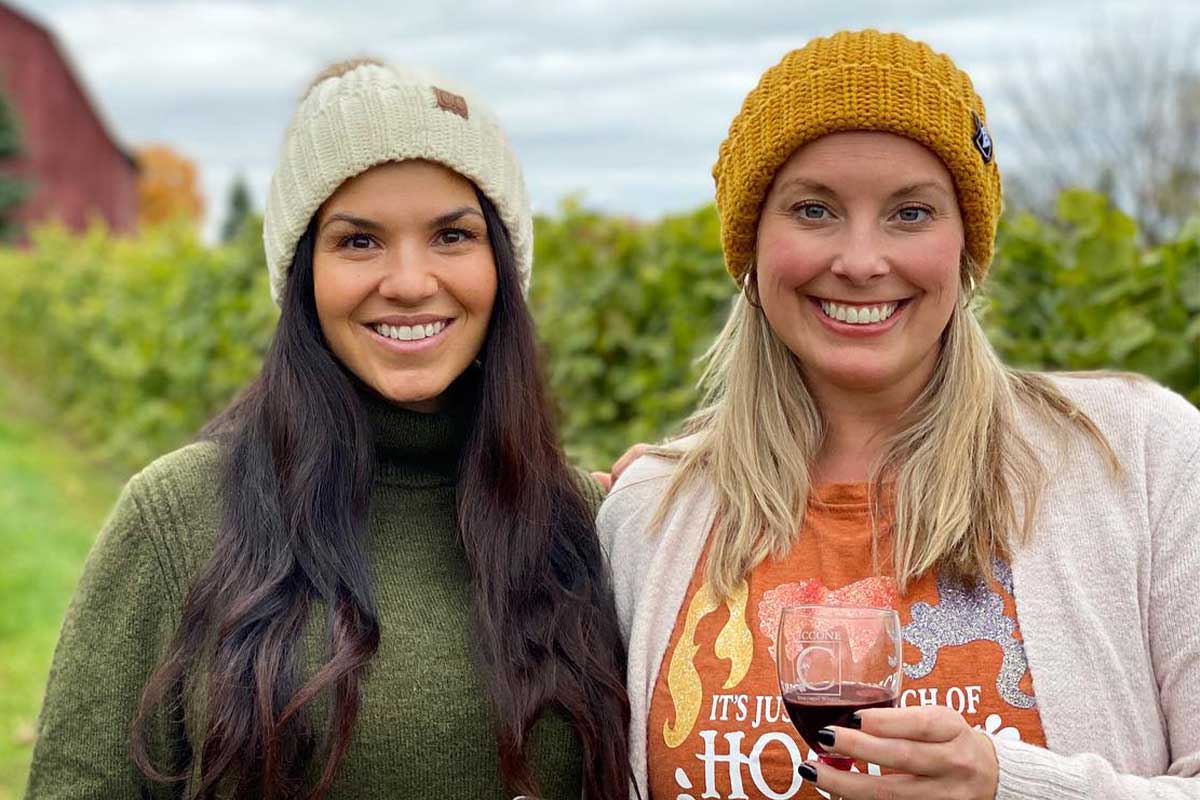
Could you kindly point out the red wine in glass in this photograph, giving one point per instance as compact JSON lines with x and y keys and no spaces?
{"x":812,"y":711}
{"x":833,"y":661}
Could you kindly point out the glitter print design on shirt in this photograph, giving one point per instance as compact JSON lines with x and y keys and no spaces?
{"x":969,"y":614}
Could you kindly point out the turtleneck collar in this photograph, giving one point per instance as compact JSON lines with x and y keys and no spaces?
{"x":419,"y":449}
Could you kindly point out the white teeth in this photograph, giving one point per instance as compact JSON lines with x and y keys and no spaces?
{"x":413,"y":333}
{"x":858,"y":315}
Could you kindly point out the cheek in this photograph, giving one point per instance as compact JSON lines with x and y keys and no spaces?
{"x":934,"y":267}
{"x":475,"y":289}
{"x":786,"y":260}
{"x":334,"y":291}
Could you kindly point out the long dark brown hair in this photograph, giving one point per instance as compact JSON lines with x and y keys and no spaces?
{"x":295,"y":485}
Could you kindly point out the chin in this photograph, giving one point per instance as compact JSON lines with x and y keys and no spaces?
{"x":408,"y":394}
{"x":866,"y":379}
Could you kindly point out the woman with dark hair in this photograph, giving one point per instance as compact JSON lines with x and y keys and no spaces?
{"x":376,"y":575}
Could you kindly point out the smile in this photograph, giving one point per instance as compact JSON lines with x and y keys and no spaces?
{"x":859,"y":319}
{"x":411,"y":333}
{"x":858,"y":315}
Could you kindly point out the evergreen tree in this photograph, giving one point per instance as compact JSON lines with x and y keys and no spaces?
{"x":238,"y":210}
{"x":12,"y":190}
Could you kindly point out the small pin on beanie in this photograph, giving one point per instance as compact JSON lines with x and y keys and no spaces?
{"x":361,"y":113}
{"x":857,"y":81}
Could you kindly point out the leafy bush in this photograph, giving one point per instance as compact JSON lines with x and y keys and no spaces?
{"x":139,"y":341}
{"x":625,"y":309}
{"x":1082,"y":295}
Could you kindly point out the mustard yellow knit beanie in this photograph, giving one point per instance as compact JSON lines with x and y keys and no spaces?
{"x":857,"y":81}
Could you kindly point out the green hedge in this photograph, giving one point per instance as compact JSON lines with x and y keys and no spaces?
{"x":1084,"y":295}
{"x":139,"y":341}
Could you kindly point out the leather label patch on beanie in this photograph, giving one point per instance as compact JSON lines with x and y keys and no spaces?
{"x":448,"y":101}
{"x":982,"y":139}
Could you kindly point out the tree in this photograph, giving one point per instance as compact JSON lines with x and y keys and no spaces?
{"x":167,"y":187}
{"x":12,"y":190}
{"x":239,"y":209}
{"x":1120,"y":116}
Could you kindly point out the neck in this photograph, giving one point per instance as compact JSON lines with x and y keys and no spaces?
{"x":418,"y":447}
{"x":858,"y":423}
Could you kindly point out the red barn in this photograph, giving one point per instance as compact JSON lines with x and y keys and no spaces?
{"x":75,"y":170}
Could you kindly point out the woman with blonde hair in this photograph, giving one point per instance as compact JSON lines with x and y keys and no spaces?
{"x":861,"y":444}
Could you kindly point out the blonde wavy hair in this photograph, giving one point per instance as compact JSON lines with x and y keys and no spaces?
{"x":961,"y":481}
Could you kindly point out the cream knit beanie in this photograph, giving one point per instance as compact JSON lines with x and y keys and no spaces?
{"x":352,"y":119}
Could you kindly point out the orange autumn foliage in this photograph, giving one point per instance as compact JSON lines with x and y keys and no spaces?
{"x":167,"y":187}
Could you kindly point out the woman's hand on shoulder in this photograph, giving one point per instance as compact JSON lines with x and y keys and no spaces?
{"x":607,"y":479}
{"x":931,"y":750}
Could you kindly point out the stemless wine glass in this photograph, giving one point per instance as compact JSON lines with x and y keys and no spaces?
{"x":833,"y":661}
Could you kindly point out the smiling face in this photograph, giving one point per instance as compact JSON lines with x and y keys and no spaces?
{"x":404,"y":279}
{"x":858,"y":253}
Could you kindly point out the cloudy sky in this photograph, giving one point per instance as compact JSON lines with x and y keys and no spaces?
{"x":623,"y":101}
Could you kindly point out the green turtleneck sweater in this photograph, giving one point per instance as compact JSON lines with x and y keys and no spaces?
{"x":425,"y":728}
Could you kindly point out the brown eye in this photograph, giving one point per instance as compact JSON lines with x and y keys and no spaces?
{"x":454,"y":236}
{"x":356,"y":241}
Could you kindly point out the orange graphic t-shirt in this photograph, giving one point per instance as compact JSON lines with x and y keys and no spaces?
{"x":717,"y":725}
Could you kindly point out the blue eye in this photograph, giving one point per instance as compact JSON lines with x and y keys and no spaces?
{"x":810,"y":211}
{"x":912,"y":214}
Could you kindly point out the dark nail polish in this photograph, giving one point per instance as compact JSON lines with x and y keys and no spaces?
{"x":855,"y":722}
{"x":808,"y":772}
{"x":825,"y":737}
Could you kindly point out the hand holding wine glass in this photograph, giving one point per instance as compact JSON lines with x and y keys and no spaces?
{"x":930,"y":751}
{"x":839,"y":671}
{"x":834,"y":661}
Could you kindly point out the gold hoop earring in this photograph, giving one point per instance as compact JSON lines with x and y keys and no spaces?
{"x":749,"y":285}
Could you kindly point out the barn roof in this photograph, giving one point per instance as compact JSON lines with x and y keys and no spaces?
{"x":38,"y":29}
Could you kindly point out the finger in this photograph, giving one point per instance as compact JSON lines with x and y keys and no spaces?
{"x":604,"y":479}
{"x":905,"y":755}
{"x":923,"y":724}
{"x":631,"y":455}
{"x":860,"y":786}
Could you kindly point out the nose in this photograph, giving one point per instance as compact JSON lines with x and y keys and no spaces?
{"x":861,"y":257}
{"x":409,"y":277}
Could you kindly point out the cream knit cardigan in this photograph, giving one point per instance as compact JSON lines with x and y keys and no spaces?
{"x":1107,"y":594}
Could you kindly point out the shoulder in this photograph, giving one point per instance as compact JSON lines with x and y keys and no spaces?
{"x":643,"y":484}
{"x":591,"y":491}
{"x":186,"y":474}
{"x":170,"y":510}
{"x":1129,"y":408}
{"x":1153,"y":431}
{"x":624,"y":520}
{"x":1148,"y":426}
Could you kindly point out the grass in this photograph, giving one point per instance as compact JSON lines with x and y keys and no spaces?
{"x":52,"y":503}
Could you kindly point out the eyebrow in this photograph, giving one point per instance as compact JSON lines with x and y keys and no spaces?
{"x":819,"y":188}
{"x":358,"y":222}
{"x":454,"y":216}
{"x":916,"y":187}
{"x":448,"y":218}
{"x":807,"y":185}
